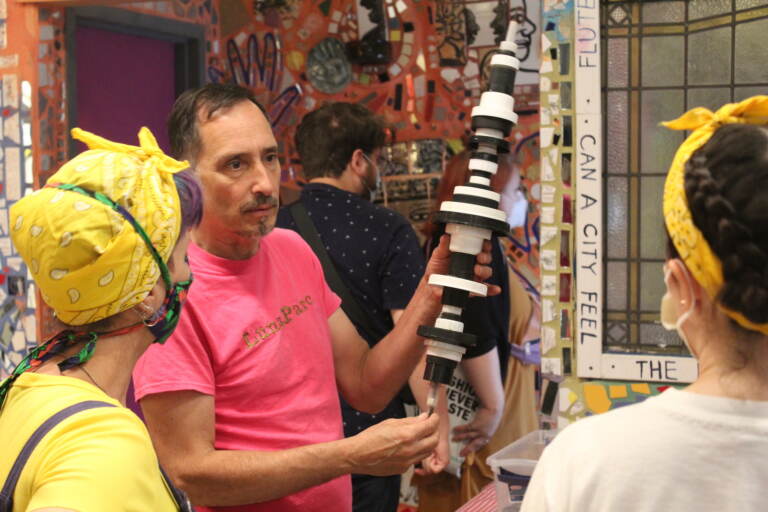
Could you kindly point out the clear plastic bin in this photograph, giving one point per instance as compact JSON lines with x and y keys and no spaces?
{"x":513,"y":466}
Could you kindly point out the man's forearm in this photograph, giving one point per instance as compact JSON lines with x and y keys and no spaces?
{"x":389,"y":364}
{"x":230,"y":477}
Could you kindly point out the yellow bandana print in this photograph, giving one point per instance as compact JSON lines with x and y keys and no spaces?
{"x":88,"y":261}
{"x":688,"y":240}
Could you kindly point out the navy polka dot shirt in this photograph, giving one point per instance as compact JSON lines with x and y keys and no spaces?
{"x":376,"y":253}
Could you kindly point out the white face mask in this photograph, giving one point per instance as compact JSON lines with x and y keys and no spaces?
{"x":669,"y":314}
{"x":515,"y":205}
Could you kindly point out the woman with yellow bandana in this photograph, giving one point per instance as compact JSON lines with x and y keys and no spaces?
{"x":105,"y":240}
{"x":704,"y":448}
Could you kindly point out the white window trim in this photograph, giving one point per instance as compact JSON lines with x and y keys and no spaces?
{"x":591,"y":360}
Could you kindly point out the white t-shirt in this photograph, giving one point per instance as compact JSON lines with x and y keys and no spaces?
{"x":678,"y":451}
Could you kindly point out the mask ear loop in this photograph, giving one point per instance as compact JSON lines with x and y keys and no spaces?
{"x":681,"y":319}
{"x":690,"y":291}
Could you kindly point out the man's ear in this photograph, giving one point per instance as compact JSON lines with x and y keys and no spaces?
{"x":358,"y":163}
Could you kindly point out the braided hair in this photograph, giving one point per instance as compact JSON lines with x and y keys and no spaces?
{"x":726,"y":184}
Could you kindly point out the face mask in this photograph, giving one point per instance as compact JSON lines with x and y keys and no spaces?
{"x":669,"y":317}
{"x":163,"y":322}
{"x":515,"y":205}
{"x":373,"y":188}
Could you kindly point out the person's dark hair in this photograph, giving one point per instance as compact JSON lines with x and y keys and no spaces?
{"x":726,"y":185}
{"x":327,"y":137}
{"x":205,"y":101}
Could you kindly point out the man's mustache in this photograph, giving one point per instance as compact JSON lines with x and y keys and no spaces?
{"x":259,"y":202}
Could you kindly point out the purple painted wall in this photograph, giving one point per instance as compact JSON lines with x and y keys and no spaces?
{"x":124,"y":82}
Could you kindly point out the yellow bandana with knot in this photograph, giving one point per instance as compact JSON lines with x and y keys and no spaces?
{"x":687,"y":239}
{"x":87,"y":259}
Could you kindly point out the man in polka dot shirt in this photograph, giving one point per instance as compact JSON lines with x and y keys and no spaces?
{"x":374,"y":249}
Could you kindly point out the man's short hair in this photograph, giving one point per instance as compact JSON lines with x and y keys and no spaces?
{"x":209,"y":99}
{"x":327,"y":137}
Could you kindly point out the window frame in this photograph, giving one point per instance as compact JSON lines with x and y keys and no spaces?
{"x":592,"y":360}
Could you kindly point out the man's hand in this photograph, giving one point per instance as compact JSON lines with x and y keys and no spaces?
{"x":392,"y":446}
{"x":439,"y":263}
{"x":479,"y":431}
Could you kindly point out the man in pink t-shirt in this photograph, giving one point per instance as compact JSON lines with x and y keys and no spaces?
{"x":242,"y":401}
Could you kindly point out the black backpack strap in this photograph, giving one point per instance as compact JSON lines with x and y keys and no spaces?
{"x":349,"y":304}
{"x":6,"y":494}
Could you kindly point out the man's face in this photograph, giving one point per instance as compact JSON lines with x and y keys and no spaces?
{"x":239,"y":171}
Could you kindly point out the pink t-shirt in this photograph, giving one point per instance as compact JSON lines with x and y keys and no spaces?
{"x":254,"y":334}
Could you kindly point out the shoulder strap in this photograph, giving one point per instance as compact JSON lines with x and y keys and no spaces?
{"x":182,"y":501}
{"x":349,"y":304}
{"x":6,"y":495}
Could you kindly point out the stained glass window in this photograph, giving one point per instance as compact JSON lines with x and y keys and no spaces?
{"x":661,"y":58}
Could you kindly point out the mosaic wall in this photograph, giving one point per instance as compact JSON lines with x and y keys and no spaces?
{"x":51,"y":147}
{"x":17,"y":293}
{"x":556,"y":212}
{"x":602,"y":396}
{"x":297,"y":55}
{"x":32,"y":107}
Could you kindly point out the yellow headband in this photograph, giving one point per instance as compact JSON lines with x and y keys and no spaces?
{"x":88,"y":261}
{"x":687,"y":239}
